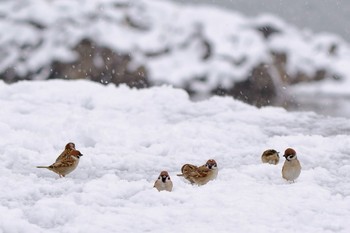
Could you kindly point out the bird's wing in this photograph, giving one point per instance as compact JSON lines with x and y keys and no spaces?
{"x":63,"y":155}
{"x":64,"y":162}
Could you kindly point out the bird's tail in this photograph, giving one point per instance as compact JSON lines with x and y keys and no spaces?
{"x":42,"y":166}
{"x":180,"y":174}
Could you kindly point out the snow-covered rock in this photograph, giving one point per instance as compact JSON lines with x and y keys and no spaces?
{"x":128,"y":136}
{"x":202,"y":49}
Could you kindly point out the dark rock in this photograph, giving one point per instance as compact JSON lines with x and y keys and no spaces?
{"x":279,"y":62}
{"x":100,"y":64}
{"x":258,"y":89}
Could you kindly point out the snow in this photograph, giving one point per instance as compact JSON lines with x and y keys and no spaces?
{"x":332,"y":99}
{"x":127,"y":136}
{"x":49,"y":30}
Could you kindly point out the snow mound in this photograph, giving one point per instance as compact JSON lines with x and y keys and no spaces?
{"x":128,"y":136}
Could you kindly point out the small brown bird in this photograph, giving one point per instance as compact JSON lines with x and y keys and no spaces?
{"x":270,"y":156}
{"x":291,"y":168}
{"x":164,"y":182}
{"x":69,"y":147}
{"x":65,"y":165}
{"x":200,"y":175}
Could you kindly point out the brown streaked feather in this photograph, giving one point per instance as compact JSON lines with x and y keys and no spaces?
{"x":202,"y":171}
{"x":199,"y":175}
{"x":68,"y":148}
{"x":188,"y":168}
{"x":270,"y":156}
{"x":67,"y":162}
{"x":66,"y":165}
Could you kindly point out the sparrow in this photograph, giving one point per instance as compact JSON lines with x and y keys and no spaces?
{"x":200,"y":175}
{"x":291,"y":168}
{"x":68,"y":148}
{"x":163,"y":182}
{"x":270,"y":156}
{"x":66,"y":165}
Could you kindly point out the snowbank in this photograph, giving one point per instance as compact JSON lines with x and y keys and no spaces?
{"x":128,"y":136}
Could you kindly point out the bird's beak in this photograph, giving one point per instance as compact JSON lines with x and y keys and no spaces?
{"x":164,"y":178}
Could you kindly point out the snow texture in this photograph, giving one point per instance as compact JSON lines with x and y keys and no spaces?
{"x":168,"y":38}
{"x":128,"y":136}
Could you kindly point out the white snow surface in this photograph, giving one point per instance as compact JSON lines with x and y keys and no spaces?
{"x":128,"y":136}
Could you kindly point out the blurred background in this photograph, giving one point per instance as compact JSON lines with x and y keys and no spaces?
{"x":316,"y":15}
{"x":293,"y":54}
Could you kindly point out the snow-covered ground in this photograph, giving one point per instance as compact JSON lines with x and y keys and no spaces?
{"x":128,"y":136}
